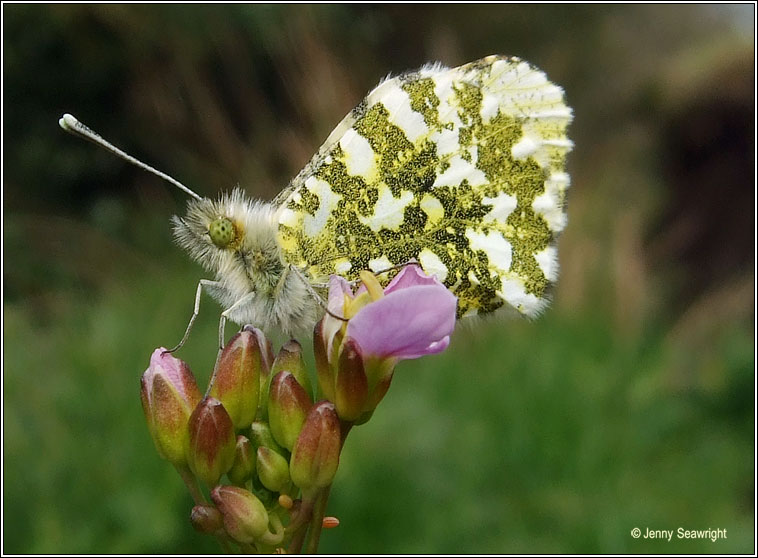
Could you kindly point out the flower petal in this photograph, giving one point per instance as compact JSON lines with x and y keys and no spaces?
{"x":338,"y":288}
{"x":410,"y":276}
{"x":407,"y":323}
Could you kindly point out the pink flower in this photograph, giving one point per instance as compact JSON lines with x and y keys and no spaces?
{"x":355,"y":359}
{"x":413,"y":317}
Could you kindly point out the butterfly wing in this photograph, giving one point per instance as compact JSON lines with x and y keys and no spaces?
{"x":461,"y":169}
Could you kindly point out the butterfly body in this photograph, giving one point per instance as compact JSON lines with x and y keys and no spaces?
{"x":251,"y":271}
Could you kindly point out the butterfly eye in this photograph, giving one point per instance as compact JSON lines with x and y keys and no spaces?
{"x":222,"y":232}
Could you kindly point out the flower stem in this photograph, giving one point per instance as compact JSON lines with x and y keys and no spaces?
{"x":300,"y":527}
{"x":191,"y":482}
{"x":199,"y":498}
{"x":317,"y":520}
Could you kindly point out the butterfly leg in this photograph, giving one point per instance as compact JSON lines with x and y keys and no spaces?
{"x":319,"y":299}
{"x":203,"y":283}
{"x":225,"y":316}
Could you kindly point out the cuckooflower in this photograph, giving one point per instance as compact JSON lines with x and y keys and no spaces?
{"x":412,"y":317}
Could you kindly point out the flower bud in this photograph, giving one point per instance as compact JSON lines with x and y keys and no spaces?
{"x":290,"y":358}
{"x":244,"y":461}
{"x":273,"y":470}
{"x":206,"y":519}
{"x":316,"y":453}
{"x":288,"y":405}
{"x":351,"y":389}
{"x":169,"y":393}
{"x":266,"y":352}
{"x":212,"y":443}
{"x":324,"y":371}
{"x":260,"y":435}
{"x":236,"y":379}
{"x":245,"y":518}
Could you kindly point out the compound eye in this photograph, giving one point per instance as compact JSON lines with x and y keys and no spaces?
{"x":222,"y":232}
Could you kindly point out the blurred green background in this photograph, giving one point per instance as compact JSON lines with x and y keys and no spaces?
{"x":630,"y":403}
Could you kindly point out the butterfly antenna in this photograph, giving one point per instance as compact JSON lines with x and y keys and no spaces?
{"x":73,"y":126}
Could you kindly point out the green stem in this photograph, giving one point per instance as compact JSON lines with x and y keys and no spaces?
{"x":317,"y":521}
{"x":191,"y":482}
{"x":199,"y":498}
{"x":297,"y":541}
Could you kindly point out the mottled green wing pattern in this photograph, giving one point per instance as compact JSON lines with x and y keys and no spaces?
{"x":461,"y":169}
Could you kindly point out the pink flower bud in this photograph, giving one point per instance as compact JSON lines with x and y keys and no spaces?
{"x":212,"y":442}
{"x":316,"y":453}
{"x":288,"y":405}
{"x":236,"y":380}
{"x":245,"y":518}
{"x":169,"y":393}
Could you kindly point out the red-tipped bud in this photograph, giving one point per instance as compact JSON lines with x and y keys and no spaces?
{"x":324,"y":371}
{"x":236,"y":380}
{"x":266,"y":352}
{"x":290,"y":358}
{"x":169,"y":393}
{"x":244,"y":461}
{"x":288,"y":405}
{"x":351,"y":388}
{"x":212,"y":442}
{"x":273,"y":470}
{"x":316,"y":453}
{"x":245,"y":518}
{"x":206,"y":519}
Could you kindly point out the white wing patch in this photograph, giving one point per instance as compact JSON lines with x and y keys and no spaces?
{"x":388,"y":212}
{"x":359,"y":157}
{"x":314,"y":224}
{"x":432,"y":264}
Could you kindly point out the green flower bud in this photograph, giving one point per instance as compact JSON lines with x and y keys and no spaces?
{"x":290,"y":358}
{"x":236,"y":379}
{"x":273,"y":469}
{"x":206,"y":519}
{"x":351,"y":388}
{"x":260,"y":435}
{"x":316,"y":453}
{"x":288,"y":405}
{"x":324,"y":371}
{"x":245,"y":518}
{"x":212,"y":442}
{"x":244,"y":461}
{"x":169,"y":393}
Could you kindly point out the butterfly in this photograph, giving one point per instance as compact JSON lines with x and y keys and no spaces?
{"x":460,"y":170}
